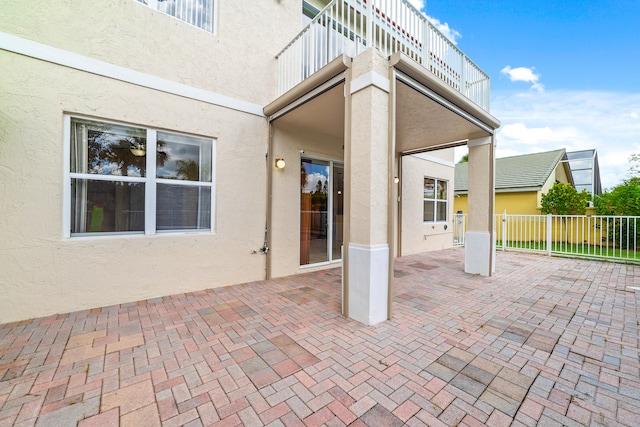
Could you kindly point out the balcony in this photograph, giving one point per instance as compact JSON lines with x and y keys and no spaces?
{"x":350,"y":26}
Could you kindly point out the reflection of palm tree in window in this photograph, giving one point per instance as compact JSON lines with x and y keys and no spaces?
{"x":188,"y":170}
{"x":112,"y":154}
{"x":303,"y":176}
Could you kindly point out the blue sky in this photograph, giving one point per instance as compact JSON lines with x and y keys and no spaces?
{"x":564,"y":73}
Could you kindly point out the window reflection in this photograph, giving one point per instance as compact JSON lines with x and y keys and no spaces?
{"x":106,"y":149}
{"x":183,"y":157}
{"x":106,"y":206}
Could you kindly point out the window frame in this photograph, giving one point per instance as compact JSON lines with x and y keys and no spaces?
{"x":153,"y":5}
{"x":150,"y":181}
{"x":436,"y":201}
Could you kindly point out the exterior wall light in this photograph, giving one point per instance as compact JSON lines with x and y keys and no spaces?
{"x":280,"y":163}
{"x":396,"y":179}
{"x":138,"y":150}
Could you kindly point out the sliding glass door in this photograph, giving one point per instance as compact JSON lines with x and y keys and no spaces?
{"x":321,"y":211}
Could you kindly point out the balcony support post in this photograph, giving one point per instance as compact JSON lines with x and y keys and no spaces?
{"x":480,"y":249}
{"x":367,"y":177}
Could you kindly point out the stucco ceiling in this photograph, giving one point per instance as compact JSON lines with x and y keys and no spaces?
{"x":323,"y":114}
{"x":421,"y":122}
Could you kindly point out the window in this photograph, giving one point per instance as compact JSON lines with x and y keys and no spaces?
{"x":195,"y":12}
{"x":435,"y":200}
{"x":117,"y":186}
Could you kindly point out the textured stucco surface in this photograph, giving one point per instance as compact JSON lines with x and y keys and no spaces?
{"x":238,"y":60}
{"x":417,"y":235}
{"x":481,"y":193}
{"x":41,"y":271}
{"x":287,"y":143}
{"x":369,"y":158}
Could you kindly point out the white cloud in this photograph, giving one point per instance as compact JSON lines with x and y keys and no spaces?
{"x":445,"y":29}
{"x":418,"y":4}
{"x":524,"y":74}
{"x":574,"y":120}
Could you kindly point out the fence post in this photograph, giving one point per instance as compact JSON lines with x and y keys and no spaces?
{"x":504,"y":230}
{"x":549,"y":234}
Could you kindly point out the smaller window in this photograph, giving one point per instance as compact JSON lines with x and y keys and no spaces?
{"x":196,"y":12}
{"x":435,"y":200}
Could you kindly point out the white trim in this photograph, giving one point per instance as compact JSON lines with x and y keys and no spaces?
{"x":214,"y":194}
{"x":476,"y":142}
{"x":368,"y":282}
{"x":434,"y":159}
{"x":65,"y":58}
{"x":370,"y":79}
{"x":66,"y":180}
{"x":150,"y":186}
{"x":479,"y":252}
{"x":369,"y":248}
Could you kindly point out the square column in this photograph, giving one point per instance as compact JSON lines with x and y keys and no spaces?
{"x":367,"y":181}
{"x":480,"y":242}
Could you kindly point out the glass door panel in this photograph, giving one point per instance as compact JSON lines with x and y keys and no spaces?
{"x":314,"y":205}
{"x":321,"y":211}
{"x":338,"y":211}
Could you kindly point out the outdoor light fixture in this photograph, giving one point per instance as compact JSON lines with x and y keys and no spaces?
{"x":138,"y":150}
{"x":280,"y":164}
{"x":396,"y":179}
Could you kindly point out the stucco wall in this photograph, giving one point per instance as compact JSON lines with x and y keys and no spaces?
{"x":41,"y":272}
{"x":238,"y":60}
{"x":287,"y":143}
{"x":417,"y":235}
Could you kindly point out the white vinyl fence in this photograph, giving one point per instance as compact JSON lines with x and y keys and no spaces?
{"x":602,"y":237}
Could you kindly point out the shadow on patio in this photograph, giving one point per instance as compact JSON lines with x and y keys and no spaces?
{"x":546,"y":340}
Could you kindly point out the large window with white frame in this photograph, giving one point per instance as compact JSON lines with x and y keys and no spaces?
{"x":435,"y":200}
{"x":129,"y":179}
{"x":199,"y":13}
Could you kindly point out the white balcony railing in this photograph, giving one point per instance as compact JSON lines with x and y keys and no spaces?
{"x":350,"y":26}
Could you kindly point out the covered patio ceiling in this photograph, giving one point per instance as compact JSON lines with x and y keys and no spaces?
{"x":322,"y":113}
{"x":429,"y":114}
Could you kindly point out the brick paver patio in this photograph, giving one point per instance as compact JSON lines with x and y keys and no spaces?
{"x":546,"y":341}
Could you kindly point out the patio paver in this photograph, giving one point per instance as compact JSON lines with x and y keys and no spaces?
{"x":547,"y":341}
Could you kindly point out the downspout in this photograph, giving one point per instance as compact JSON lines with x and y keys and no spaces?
{"x":346,"y":231}
{"x":267,"y":229}
{"x":392,"y":195}
{"x":399,"y":204}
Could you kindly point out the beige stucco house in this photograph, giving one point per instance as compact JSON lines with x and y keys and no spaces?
{"x":154,"y":147}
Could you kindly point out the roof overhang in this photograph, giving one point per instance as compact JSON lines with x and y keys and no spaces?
{"x":430,"y":115}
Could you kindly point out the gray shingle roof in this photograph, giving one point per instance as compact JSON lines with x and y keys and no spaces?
{"x":528,"y":172}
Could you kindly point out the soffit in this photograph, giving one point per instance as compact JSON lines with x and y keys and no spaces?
{"x":425,"y":120}
{"x":430,"y":114}
{"x":323,"y":114}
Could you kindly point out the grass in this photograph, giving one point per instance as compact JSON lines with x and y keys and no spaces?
{"x":575,"y":249}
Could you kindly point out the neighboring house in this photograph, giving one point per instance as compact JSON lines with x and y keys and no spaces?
{"x":522,"y":180}
{"x":155,"y":147}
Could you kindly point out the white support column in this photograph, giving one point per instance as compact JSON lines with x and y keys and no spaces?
{"x":480,"y":241}
{"x":368,"y":169}
{"x":368,"y":284}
